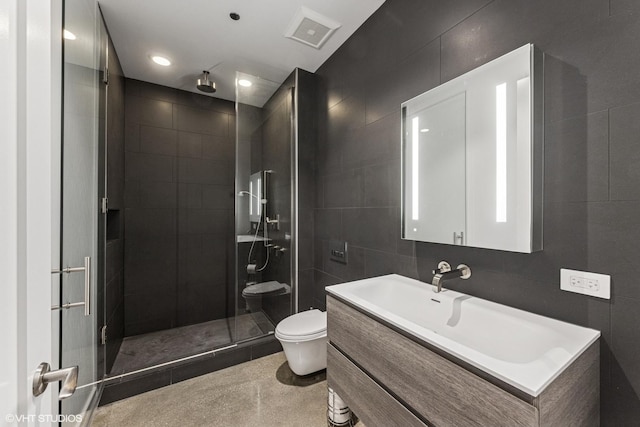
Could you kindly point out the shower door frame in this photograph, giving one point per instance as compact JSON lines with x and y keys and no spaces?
{"x":294,"y":194}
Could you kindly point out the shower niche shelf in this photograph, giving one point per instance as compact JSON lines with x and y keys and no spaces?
{"x":113,"y":224}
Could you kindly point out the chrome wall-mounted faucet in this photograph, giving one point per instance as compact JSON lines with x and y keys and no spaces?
{"x":444,"y":273}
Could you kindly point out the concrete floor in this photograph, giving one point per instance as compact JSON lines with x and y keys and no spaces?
{"x":263,"y":392}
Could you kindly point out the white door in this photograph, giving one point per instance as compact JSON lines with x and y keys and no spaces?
{"x":29,"y":193}
{"x":30,"y":222}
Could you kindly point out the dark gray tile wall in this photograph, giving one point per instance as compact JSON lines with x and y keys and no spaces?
{"x":592,"y":160}
{"x":178,"y":199}
{"x":114,"y":277}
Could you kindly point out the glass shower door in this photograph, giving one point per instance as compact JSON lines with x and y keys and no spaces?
{"x":81,"y":216}
{"x":264,"y":205}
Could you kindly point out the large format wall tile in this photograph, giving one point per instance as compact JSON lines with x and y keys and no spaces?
{"x":592,"y":178}
{"x":178,"y":196}
{"x":577,"y":158}
{"x":150,"y":112}
{"x":392,"y":86}
{"x":343,"y":189}
{"x":148,"y":167}
{"x":625,"y":155}
{"x":114,"y":260}
{"x":157,"y":140}
{"x":506,"y":24}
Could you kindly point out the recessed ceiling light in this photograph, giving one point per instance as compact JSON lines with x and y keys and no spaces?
{"x":425,"y":130}
{"x":244,"y":82}
{"x":68,"y":35}
{"x":161,"y":60}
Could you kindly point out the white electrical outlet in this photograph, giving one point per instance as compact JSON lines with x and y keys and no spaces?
{"x":582,"y":282}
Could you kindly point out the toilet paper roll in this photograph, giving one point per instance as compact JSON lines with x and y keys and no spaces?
{"x":338,"y":413}
{"x":251,"y":269}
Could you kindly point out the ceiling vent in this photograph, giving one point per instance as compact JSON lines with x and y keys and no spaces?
{"x":311,"y":28}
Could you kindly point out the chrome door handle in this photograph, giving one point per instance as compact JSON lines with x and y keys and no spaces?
{"x":44,"y":375}
{"x":87,"y":287}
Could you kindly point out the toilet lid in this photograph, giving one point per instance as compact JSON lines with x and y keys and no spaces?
{"x":304,"y":323}
{"x":263,"y":288}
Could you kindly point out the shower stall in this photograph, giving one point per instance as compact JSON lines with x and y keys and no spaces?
{"x":211,"y":227}
{"x":193,"y":214}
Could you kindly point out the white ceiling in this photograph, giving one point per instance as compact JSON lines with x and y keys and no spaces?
{"x":198,"y":35}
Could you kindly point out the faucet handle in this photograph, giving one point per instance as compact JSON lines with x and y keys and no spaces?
{"x":464,"y":270}
{"x":443,"y":267}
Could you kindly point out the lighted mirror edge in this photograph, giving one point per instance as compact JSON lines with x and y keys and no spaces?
{"x":259,"y":202}
{"x":250,"y":197}
{"x":501,"y":152}
{"x":415,"y":169}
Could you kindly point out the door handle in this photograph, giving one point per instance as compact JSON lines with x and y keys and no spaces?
{"x":44,"y":375}
{"x":87,"y":286}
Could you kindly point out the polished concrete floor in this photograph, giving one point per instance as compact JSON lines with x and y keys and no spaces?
{"x":260,"y":393}
{"x":142,"y":351}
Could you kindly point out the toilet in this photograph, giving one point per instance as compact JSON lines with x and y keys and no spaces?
{"x":255,"y":294}
{"x":304,"y":340}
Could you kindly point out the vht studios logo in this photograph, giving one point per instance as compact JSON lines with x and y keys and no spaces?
{"x":40,"y":418}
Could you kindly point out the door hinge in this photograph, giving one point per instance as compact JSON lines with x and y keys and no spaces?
{"x":105,"y":77}
{"x":103,"y":335}
{"x":104,"y":205}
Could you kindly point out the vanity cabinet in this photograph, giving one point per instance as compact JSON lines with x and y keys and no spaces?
{"x":389,"y":378}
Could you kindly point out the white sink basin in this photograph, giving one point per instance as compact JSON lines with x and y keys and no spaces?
{"x":525,"y":350}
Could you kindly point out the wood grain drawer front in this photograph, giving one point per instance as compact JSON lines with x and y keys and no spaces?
{"x":442,"y":392}
{"x":573,"y":399}
{"x":368,"y":400}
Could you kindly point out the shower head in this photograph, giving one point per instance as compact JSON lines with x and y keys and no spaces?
{"x":204,"y":84}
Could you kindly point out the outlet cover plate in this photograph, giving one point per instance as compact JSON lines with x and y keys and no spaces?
{"x":583,"y":282}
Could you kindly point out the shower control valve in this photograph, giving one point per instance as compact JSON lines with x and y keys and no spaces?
{"x":274,"y":221}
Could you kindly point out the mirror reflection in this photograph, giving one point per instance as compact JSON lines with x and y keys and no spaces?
{"x":256,"y":195}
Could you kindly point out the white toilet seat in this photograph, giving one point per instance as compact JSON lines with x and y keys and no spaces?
{"x":303,"y":326}
{"x":300,"y":338}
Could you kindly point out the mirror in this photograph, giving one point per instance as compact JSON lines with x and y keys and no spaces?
{"x":472,"y":157}
{"x":256,"y":194}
